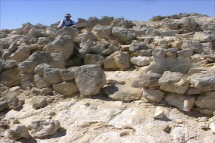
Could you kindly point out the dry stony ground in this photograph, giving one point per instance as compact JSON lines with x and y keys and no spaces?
{"x":172,"y":57}
{"x":101,"y":120}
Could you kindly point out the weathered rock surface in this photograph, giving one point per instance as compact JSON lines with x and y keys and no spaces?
{"x":44,"y":128}
{"x":10,"y":77}
{"x":140,"y":61}
{"x":103,"y":31}
{"x":122,"y":34}
{"x":89,"y":79}
{"x":66,"y":88}
{"x":149,"y":65}
{"x":203,"y":82}
{"x":18,"y":131}
{"x":123,"y":93}
{"x":153,"y":95}
{"x":206,"y":101}
{"x":173,"y":82}
{"x":39,"y":102}
{"x":149,"y":80}
{"x":183,"y":102}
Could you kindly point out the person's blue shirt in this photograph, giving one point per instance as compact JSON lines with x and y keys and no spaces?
{"x":66,"y":22}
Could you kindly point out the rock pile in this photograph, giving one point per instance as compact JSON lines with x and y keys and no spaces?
{"x":174,"y":55}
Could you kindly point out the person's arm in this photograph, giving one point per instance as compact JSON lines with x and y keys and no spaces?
{"x":60,"y":25}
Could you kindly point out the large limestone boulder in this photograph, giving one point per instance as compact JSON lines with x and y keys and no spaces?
{"x":149,"y":80}
{"x":85,"y":36}
{"x":122,"y":60}
{"x":137,"y":46}
{"x":85,"y":47}
{"x":123,"y":92}
{"x":39,"y":102}
{"x":89,"y":79}
{"x":93,"y":59}
{"x":153,"y":95}
{"x":162,"y":63}
{"x":35,"y":59}
{"x":91,"y":22}
{"x":103,"y":32}
{"x":109,"y":63}
{"x":63,"y":44}
{"x":203,"y":37}
{"x":117,"y":60}
{"x":10,"y":77}
{"x":66,"y":88}
{"x":52,"y":75}
{"x":122,"y":34}
{"x":105,"y":20}
{"x":183,"y":102}
{"x":140,"y":61}
{"x":8,"y":64}
{"x":203,"y":82}
{"x":185,"y":53}
{"x":36,"y":33}
{"x":44,"y":40}
{"x":44,"y":128}
{"x":14,"y":102}
{"x":18,"y":131}
{"x":81,"y":23}
{"x":68,"y":74}
{"x":40,"y":82}
{"x":196,"y":46}
{"x":189,"y":24}
{"x":3,"y":105}
{"x":21,"y":54}
{"x":40,"y":68}
{"x":206,"y":101}
{"x":173,"y":82}
{"x":73,"y":32}
{"x":13,"y":47}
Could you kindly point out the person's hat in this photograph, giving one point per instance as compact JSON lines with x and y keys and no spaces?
{"x":67,"y":15}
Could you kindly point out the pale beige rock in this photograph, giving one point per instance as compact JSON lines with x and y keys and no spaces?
{"x":18,"y":131}
{"x":173,"y":82}
{"x":40,"y":82}
{"x":203,"y":82}
{"x":122,"y":34}
{"x":52,"y":75}
{"x":183,"y":102}
{"x":160,"y":113}
{"x":102,"y":31}
{"x":63,"y":44}
{"x":66,"y":88}
{"x":153,"y":95}
{"x":140,"y":61}
{"x":39,"y":102}
{"x":122,"y":60}
{"x":10,"y":77}
{"x":212,"y":127}
{"x":206,"y":101}
{"x":149,"y":80}
{"x":44,"y":128}
{"x":21,"y":54}
{"x":89,"y":79}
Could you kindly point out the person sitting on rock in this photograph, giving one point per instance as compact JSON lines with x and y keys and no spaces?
{"x":67,"y":21}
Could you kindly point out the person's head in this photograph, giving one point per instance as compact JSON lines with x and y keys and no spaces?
{"x":67,"y":16}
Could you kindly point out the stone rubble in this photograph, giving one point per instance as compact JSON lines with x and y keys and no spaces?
{"x":109,"y":80}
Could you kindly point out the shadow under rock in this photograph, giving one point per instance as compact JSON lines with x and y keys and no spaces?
{"x":30,"y":140}
{"x":104,"y":95}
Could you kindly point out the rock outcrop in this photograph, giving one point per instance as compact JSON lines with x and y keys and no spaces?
{"x":109,"y":80}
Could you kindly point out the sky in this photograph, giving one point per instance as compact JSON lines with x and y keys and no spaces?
{"x":13,"y":13}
